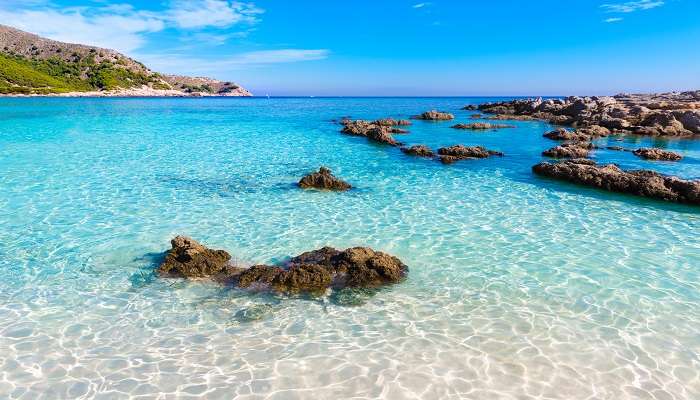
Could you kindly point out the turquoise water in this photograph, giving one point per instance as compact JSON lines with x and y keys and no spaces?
{"x":519,"y":288}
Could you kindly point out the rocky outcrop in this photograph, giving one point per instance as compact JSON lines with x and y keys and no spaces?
{"x":434,"y":116}
{"x":476,"y":126}
{"x":419,"y":150}
{"x":311,"y":272}
{"x":372,"y":131}
{"x":569,"y":150}
{"x":392,"y":122}
{"x":475,"y":116}
{"x":578,"y":135}
{"x":669,"y":114}
{"x":189,"y":259}
{"x":610,"y":177}
{"x":657,"y":154}
{"x":470,"y":107}
{"x":323,"y":179}
{"x":510,"y":117}
{"x":448,"y":155}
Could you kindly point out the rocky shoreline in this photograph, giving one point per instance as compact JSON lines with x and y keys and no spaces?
{"x":145,"y":91}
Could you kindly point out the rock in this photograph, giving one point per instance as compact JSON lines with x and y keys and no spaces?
{"x":320,"y":269}
{"x":392,"y":122}
{"x":673,"y":114}
{"x":610,"y":177}
{"x":569,"y":150}
{"x":470,"y":107}
{"x":418,"y":150}
{"x":434,"y":116}
{"x":372,"y":131}
{"x":689,"y":119}
{"x":323,"y":179}
{"x":657,"y":154}
{"x":189,"y":259}
{"x":448,"y":155}
{"x":510,"y":117}
{"x":382,"y":134}
{"x":481,"y":126}
{"x":616,"y":148}
{"x":578,"y":135}
{"x":476,"y":116}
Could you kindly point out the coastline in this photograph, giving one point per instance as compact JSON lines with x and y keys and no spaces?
{"x":143,"y":91}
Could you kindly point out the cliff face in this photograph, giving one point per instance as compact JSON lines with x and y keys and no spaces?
{"x":31,"y":64}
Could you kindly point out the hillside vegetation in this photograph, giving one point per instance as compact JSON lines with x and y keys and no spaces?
{"x":53,"y":75}
{"x":31,"y":64}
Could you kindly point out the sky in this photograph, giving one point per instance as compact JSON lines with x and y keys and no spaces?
{"x":392,"y":47}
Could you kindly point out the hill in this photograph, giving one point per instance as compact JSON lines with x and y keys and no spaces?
{"x":33,"y":65}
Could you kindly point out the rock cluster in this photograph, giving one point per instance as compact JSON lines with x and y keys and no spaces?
{"x":657,"y":154}
{"x":448,"y":155}
{"x":675,"y":114}
{"x":371,"y":130}
{"x":323,"y":179}
{"x":569,"y":150}
{"x":419,"y":150}
{"x":481,"y":126}
{"x":311,"y":272}
{"x":434,"y":116}
{"x":610,"y":177}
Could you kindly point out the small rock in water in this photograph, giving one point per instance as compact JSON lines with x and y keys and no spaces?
{"x":448,"y":155}
{"x":352,"y":297}
{"x":419,"y":150}
{"x":569,"y":150}
{"x":434,"y":116}
{"x":323,"y":179}
{"x":189,"y":259}
{"x":481,"y":126}
{"x":657,"y":154}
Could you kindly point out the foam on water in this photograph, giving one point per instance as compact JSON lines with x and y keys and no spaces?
{"x":519,"y":288}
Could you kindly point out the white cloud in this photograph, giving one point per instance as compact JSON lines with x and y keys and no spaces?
{"x":122,"y":32}
{"x":181,"y":64}
{"x":120,"y":26}
{"x":610,"y":20}
{"x":420,"y":5}
{"x":217,"y":13}
{"x":632,"y":6}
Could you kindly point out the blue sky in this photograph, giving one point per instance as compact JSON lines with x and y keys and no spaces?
{"x":393,"y":47}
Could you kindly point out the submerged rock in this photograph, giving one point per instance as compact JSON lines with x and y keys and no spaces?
{"x":189,"y":259}
{"x":610,"y":177}
{"x":323,"y":179}
{"x":434,"y":116}
{"x":657,"y":154}
{"x":510,"y":117}
{"x":569,"y":150}
{"x":481,"y":126}
{"x":419,"y":150}
{"x":448,"y":155}
{"x":470,"y":107}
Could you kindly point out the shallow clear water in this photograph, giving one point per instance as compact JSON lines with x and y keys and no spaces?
{"x":519,"y":288}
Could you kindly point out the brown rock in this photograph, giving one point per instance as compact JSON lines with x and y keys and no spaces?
{"x":569,"y":150}
{"x":451,"y":154}
{"x":419,"y":150}
{"x":189,"y":259}
{"x":434,"y":116}
{"x":323,"y":179}
{"x":610,"y":177}
{"x":657,"y":154}
{"x":481,"y":126}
